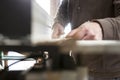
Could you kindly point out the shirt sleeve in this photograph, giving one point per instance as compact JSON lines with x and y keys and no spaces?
{"x":62,"y":13}
{"x":111,"y":26}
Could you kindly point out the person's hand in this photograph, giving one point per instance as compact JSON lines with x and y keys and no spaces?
{"x":58,"y":30}
{"x":86,"y":31}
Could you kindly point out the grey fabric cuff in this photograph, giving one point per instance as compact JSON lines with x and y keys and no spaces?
{"x":107,"y":29}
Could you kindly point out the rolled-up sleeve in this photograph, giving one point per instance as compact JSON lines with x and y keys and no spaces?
{"x":62,"y":13}
{"x":111,"y":26}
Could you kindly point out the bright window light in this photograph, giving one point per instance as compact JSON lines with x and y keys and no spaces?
{"x":45,"y":4}
{"x":23,"y":65}
{"x":61,"y":1}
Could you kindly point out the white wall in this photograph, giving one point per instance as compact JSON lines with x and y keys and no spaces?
{"x":45,"y":4}
{"x":41,"y":24}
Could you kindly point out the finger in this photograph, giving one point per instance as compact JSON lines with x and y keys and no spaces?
{"x":70,"y":34}
{"x":89,"y":37}
{"x":79,"y":35}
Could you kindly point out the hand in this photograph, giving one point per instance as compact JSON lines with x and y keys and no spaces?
{"x":86,"y":31}
{"x":58,"y":30}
